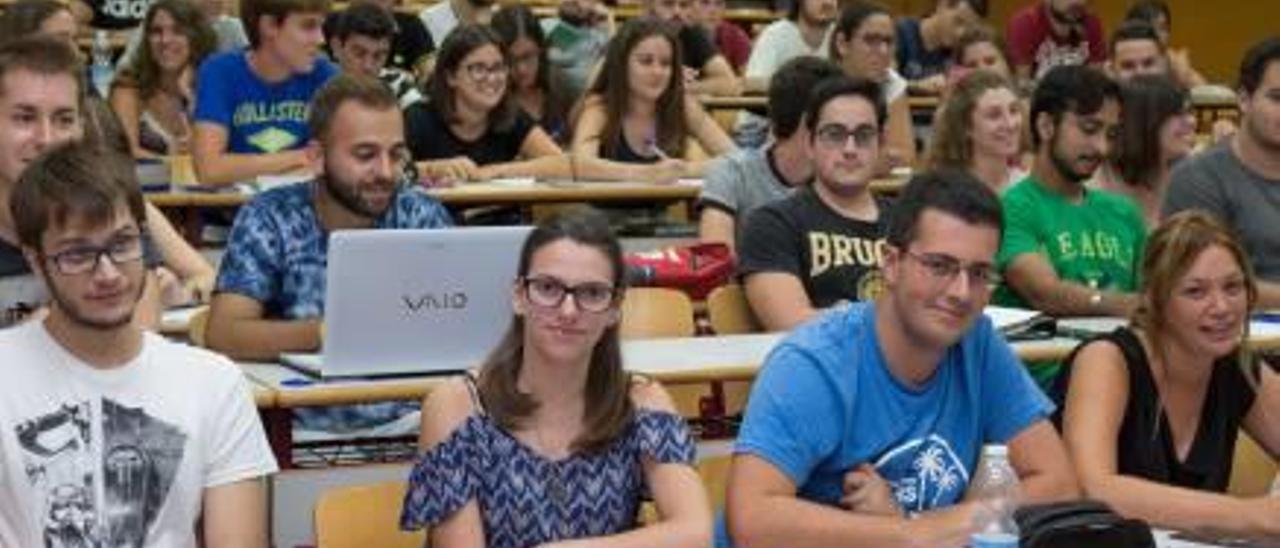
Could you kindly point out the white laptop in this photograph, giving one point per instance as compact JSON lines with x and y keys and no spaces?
{"x":401,"y":302}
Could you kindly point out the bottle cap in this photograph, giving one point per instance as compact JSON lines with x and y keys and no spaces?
{"x":995,"y":450}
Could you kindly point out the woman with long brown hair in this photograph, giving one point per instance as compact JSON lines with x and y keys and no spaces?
{"x":152,"y":96}
{"x":978,"y":129}
{"x":554,"y":440}
{"x":1150,"y":412}
{"x":637,"y":110}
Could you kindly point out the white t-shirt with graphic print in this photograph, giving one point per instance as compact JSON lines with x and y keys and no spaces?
{"x":118,"y":457}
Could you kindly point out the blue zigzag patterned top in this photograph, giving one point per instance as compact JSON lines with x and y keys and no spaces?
{"x":526,"y":499}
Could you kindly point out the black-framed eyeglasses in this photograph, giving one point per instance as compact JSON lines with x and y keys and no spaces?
{"x":549,"y":292}
{"x":837,"y":135}
{"x":85,"y":259}
{"x":945,"y":268}
{"x":480,"y":71}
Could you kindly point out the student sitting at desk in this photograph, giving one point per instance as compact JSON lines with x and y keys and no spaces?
{"x":537,"y":86}
{"x":863,"y":43}
{"x":701,"y":66}
{"x":471,"y":128}
{"x":152,"y":96}
{"x":115,"y":436}
{"x":1151,"y":411}
{"x":866,"y":423}
{"x":824,"y":244}
{"x":251,"y":105}
{"x":270,"y":292}
{"x":553,"y":440}
{"x":978,"y":129}
{"x":40,"y":94}
{"x":978,"y":48}
{"x":745,"y":179}
{"x":637,"y":110}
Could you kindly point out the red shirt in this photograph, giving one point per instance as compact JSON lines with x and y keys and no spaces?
{"x":734,"y":44}
{"x":1032,"y":42}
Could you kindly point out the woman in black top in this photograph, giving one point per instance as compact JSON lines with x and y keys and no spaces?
{"x":471,"y":129}
{"x":1150,"y":412}
{"x":637,"y":111}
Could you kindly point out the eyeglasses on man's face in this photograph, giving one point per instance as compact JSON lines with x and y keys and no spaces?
{"x":86,"y":258}
{"x":945,"y":268}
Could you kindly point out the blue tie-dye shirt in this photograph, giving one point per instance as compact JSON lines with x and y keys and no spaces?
{"x":277,"y":254}
{"x":278,"y":251}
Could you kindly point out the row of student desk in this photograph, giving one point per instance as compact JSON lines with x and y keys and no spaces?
{"x":679,"y":361}
{"x":184,"y":205}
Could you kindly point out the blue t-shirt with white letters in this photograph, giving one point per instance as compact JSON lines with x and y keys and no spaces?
{"x":826,"y":402}
{"x":260,"y":117}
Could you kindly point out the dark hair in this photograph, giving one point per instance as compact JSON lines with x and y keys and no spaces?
{"x":979,"y":7}
{"x":851,"y":19}
{"x":24,"y":17}
{"x":1148,"y":11}
{"x":365,"y":91}
{"x":456,"y":47}
{"x":842,"y":86}
{"x":952,"y":191}
{"x":42,"y":55}
{"x":1255,"y":63}
{"x":1079,"y":89}
{"x":952,"y":144}
{"x":516,"y":21}
{"x":252,"y":12}
{"x":612,"y":86}
{"x":1149,"y":101}
{"x":364,"y":18}
{"x":1134,"y":30}
{"x":790,"y":86}
{"x":608,"y":409}
{"x":977,"y":34}
{"x":144,"y":73}
{"x":74,"y":179}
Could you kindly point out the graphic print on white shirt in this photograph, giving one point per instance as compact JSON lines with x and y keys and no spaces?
{"x":101,"y":471}
{"x":923,"y":472}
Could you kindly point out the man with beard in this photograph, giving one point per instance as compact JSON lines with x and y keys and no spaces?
{"x":1068,"y":249}
{"x":269,"y":296}
{"x":444,"y":16}
{"x":170,"y":448}
{"x":1238,"y":180}
{"x":1051,"y":33}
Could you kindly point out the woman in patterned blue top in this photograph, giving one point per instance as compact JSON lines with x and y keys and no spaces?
{"x":553,"y":440}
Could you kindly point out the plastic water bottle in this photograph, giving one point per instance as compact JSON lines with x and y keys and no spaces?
{"x":995,"y":485}
{"x":101,"y":69}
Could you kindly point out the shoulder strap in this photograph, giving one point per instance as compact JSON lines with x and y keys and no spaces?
{"x":470,"y":380}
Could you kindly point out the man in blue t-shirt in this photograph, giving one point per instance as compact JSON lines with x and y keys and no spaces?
{"x":251,"y":105}
{"x":867,"y":422}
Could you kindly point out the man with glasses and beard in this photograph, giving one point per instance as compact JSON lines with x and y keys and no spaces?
{"x":1068,"y":249}
{"x":269,"y":297}
{"x":114,"y":436}
{"x":1052,"y":33}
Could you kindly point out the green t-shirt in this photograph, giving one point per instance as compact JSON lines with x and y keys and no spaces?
{"x":1097,"y":242}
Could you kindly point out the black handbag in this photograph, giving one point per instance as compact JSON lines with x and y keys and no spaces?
{"x":1079,"y":523}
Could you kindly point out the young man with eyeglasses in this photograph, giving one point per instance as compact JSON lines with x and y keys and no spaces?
{"x":114,"y":436}
{"x":269,"y":297}
{"x":1069,"y":249}
{"x":251,"y":105}
{"x":823,"y":245}
{"x":867,"y":423}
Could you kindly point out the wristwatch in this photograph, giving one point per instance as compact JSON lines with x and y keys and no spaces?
{"x":1095,"y":300}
